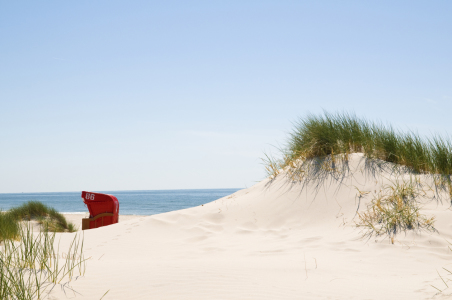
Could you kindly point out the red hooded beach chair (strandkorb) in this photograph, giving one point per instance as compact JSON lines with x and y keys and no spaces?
{"x":103,"y":210}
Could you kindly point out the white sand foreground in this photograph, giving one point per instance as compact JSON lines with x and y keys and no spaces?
{"x":271,"y":241}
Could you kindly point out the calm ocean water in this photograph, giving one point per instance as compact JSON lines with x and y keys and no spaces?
{"x":130,"y":202}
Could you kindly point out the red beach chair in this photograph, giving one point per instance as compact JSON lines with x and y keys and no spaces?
{"x":103,"y":210}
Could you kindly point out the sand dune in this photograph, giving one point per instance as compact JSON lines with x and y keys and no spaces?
{"x":275,"y":240}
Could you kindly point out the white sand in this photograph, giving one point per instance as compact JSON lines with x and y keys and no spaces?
{"x":76,"y":219}
{"x":267,"y":242}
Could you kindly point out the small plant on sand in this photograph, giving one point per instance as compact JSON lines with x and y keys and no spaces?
{"x":48,"y":217}
{"x":395,"y":209}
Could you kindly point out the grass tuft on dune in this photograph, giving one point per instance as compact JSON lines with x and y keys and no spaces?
{"x":30,"y":263}
{"x":48,"y":217}
{"x":324,"y":140}
{"x":9,"y":227}
{"x":32,"y":266}
{"x":344,"y":133}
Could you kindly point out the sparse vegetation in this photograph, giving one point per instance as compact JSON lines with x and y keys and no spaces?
{"x":29,"y":262}
{"x":324,"y":142}
{"x":395,"y":209}
{"x":32,"y":266}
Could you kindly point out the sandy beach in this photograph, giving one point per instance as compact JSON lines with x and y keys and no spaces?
{"x":252,"y":150}
{"x":275,"y":240}
{"x":76,"y":219}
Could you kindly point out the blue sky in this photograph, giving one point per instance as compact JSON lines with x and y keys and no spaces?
{"x":124,"y":95}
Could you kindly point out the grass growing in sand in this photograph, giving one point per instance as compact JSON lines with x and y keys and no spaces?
{"x":343,"y":134}
{"x":395,"y":209}
{"x":48,"y":217}
{"x":9,"y":227}
{"x":325,"y":140}
{"x":33,"y":265}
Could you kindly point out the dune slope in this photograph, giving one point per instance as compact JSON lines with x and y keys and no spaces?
{"x":275,"y":240}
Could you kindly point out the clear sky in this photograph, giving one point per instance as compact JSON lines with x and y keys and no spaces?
{"x":126,"y":95}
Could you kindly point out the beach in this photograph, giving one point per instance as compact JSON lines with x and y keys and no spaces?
{"x":76,"y":219}
{"x":226,"y":150}
{"x":275,"y":240}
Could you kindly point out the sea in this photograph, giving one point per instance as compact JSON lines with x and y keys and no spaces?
{"x":130,"y":202}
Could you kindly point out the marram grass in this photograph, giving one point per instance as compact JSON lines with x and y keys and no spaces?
{"x":332,"y":137}
{"x":31,"y":263}
{"x":342,"y":133}
{"x":48,"y":217}
{"x":31,"y":267}
{"x":9,"y":227}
